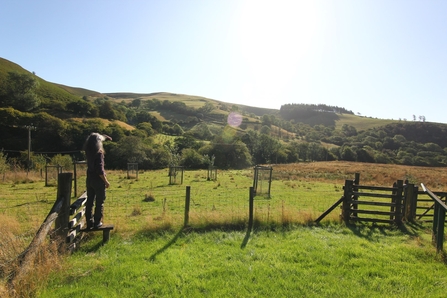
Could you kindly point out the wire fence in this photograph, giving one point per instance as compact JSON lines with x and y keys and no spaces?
{"x":150,"y":201}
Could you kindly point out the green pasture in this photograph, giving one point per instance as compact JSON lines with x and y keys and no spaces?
{"x":361,"y":123}
{"x":150,"y":254}
{"x":150,"y":200}
{"x":308,"y":261}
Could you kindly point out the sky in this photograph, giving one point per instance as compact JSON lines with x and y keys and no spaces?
{"x":383,"y":59}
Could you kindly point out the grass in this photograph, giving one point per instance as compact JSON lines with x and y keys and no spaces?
{"x":328,"y":261}
{"x":361,"y":123}
{"x":284,"y":251}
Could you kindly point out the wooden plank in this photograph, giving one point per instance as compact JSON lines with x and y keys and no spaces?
{"x":372,"y":203}
{"x":425,"y":215}
{"x":78,"y":203}
{"x":438,"y":193}
{"x":72,"y":234}
{"x":76,"y":219}
{"x":376,"y":220}
{"x":425,"y":207}
{"x":330,"y":209}
{"x":103,"y":227}
{"x":388,"y":213}
{"x":105,"y":231}
{"x":373,"y":195}
{"x":434,"y":197}
{"x":425,"y":200}
{"x":382,"y":188}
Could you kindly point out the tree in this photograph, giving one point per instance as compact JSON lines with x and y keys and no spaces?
{"x":267,"y":149}
{"x":192,"y":159}
{"x":106,"y":111}
{"x":207,"y":108}
{"x":265,"y":130}
{"x":186,"y":141}
{"x":128,"y":149}
{"x":266,"y":120}
{"x":146,"y":127}
{"x":348,"y":154}
{"x":19,"y":91}
{"x":349,"y":130}
{"x":136,"y":103}
{"x":229,"y":153}
{"x":251,"y":138}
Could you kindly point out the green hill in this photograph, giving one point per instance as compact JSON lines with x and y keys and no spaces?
{"x":295,"y":132}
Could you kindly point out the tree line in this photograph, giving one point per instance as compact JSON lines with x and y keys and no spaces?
{"x":297,"y":133}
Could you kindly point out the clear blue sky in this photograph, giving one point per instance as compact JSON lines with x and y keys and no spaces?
{"x":378,"y":58}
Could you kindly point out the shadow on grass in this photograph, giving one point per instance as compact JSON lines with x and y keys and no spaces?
{"x":166,"y":246}
{"x":370,"y":231}
{"x":188,"y":229}
{"x":247,"y":236}
{"x":86,"y":247}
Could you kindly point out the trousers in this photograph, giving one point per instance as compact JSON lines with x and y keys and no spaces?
{"x":96,"y":195}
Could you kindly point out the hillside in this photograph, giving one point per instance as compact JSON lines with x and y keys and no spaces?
{"x":64,"y":115}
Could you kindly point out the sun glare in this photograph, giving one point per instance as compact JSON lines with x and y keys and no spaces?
{"x":274,"y":40}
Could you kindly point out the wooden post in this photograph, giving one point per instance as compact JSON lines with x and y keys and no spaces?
{"x":187,"y":204}
{"x":398,"y":201}
{"x":250,"y":208}
{"x":255,"y":179}
{"x":355,"y":198}
{"x":440,"y":228}
{"x":435,"y":223}
{"x":105,"y":236}
{"x":409,"y":196}
{"x":414,"y":202}
{"x":64,"y":181}
{"x":75,"y":180}
{"x":357,"y":179}
{"x":347,"y":195}
{"x":393,"y":203}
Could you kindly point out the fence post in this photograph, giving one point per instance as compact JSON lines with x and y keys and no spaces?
{"x":64,"y":181}
{"x":409,"y":196}
{"x":435,"y":223}
{"x":414,"y":202}
{"x":346,"y":206}
{"x":355,"y":198}
{"x":75,"y":180}
{"x":250,"y":208}
{"x":187,"y":204}
{"x":398,"y":202}
{"x":438,"y":226}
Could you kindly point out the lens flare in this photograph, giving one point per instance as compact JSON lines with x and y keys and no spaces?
{"x":234,"y":119}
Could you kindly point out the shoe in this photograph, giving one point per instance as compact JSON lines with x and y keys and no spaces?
{"x":90,"y":225}
{"x":99,"y":225}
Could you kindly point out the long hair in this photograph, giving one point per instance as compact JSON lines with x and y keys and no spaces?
{"x":93,"y":144}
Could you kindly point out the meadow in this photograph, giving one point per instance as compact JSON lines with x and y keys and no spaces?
{"x":151,"y":255}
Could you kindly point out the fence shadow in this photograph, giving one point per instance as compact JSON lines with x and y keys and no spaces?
{"x":246,"y":238}
{"x":370,"y":231}
{"x":166,"y":246}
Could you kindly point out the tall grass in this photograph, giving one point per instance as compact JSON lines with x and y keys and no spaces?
{"x":13,"y":243}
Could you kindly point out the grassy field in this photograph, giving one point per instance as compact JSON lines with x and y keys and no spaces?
{"x":361,"y":123}
{"x":328,"y":261}
{"x":286,"y":255}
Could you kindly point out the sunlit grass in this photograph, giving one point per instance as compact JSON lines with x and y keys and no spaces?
{"x":328,"y":261}
{"x":219,"y":214}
